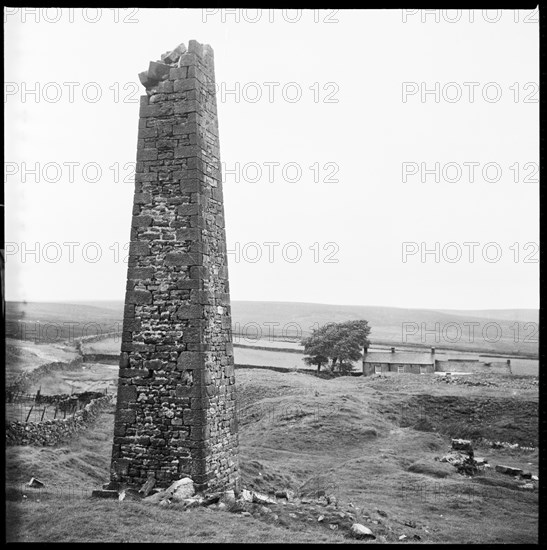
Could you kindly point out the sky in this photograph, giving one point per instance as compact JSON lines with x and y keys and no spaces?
{"x":371,"y":157}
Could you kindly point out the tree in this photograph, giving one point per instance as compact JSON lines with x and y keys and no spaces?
{"x":336,"y":345}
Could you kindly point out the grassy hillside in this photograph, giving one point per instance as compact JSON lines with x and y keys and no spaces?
{"x":372,"y":441}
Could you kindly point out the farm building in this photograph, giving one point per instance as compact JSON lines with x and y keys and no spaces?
{"x":417,"y":362}
{"x":376,"y":362}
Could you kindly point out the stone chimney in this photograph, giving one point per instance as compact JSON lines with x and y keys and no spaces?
{"x":176,"y":406}
{"x":432,"y":351}
{"x":392,"y":350}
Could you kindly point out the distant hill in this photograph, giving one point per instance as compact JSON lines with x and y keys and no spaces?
{"x":398,"y":326}
{"x":390,"y":325}
{"x":519,"y":315}
{"x":51,"y":321}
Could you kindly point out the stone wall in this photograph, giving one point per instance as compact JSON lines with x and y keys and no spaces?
{"x":53,"y":432}
{"x":409,"y":368}
{"x":176,"y":409}
{"x":26,"y":379}
{"x":457,"y":365}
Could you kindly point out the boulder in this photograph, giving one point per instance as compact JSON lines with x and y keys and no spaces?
{"x":181,"y":489}
{"x":359,"y":531}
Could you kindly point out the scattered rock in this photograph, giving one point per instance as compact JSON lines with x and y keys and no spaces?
{"x":455,"y":458}
{"x":359,"y":531}
{"x":132,"y":494}
{"x":193,"y":502}
{"x":155,"y":498}
{"x":211,"y":499}
{"x":333,"y":526}
{"x":37,"y":484}
{"x":410,"y":523}
{"x":246,"y":514}
{"x":181,"y":489}
{"x":228,"y":497}
{"x":178,"y":491}
{"x":462,"y":445}
{"x":121,"y":496}
{"x":382,"y":513}
{"x":246,"y":495}
{"x":526,"y":475}
{"x":320,"y":518}
{"x":263,"y":499}
{"x":508,"y":470}
{"x":535,"y":478}
{"x":527,"y":486}
{"x":148,"y":485}
{"x":402,"y":537}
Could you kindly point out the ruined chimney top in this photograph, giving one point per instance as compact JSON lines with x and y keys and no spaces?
{"x":178,"y":58}
{"x":392,"y":350}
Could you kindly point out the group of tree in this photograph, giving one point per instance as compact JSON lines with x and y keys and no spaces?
{"x":336,"y":345}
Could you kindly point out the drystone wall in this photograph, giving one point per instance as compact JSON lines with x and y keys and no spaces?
{"x":53,"y":432}
{"x":26,"y":379}
{"x":176,"y":403}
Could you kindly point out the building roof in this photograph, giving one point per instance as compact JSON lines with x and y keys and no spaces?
{"x":406,"y":357}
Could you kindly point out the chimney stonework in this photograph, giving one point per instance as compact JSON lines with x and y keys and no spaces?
{"x":176,"y":403}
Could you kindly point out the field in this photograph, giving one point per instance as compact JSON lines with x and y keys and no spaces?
{"x":364,"y":435}
{"x":372,"y":440}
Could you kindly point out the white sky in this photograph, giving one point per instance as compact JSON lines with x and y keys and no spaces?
{"x":362,"y":61}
